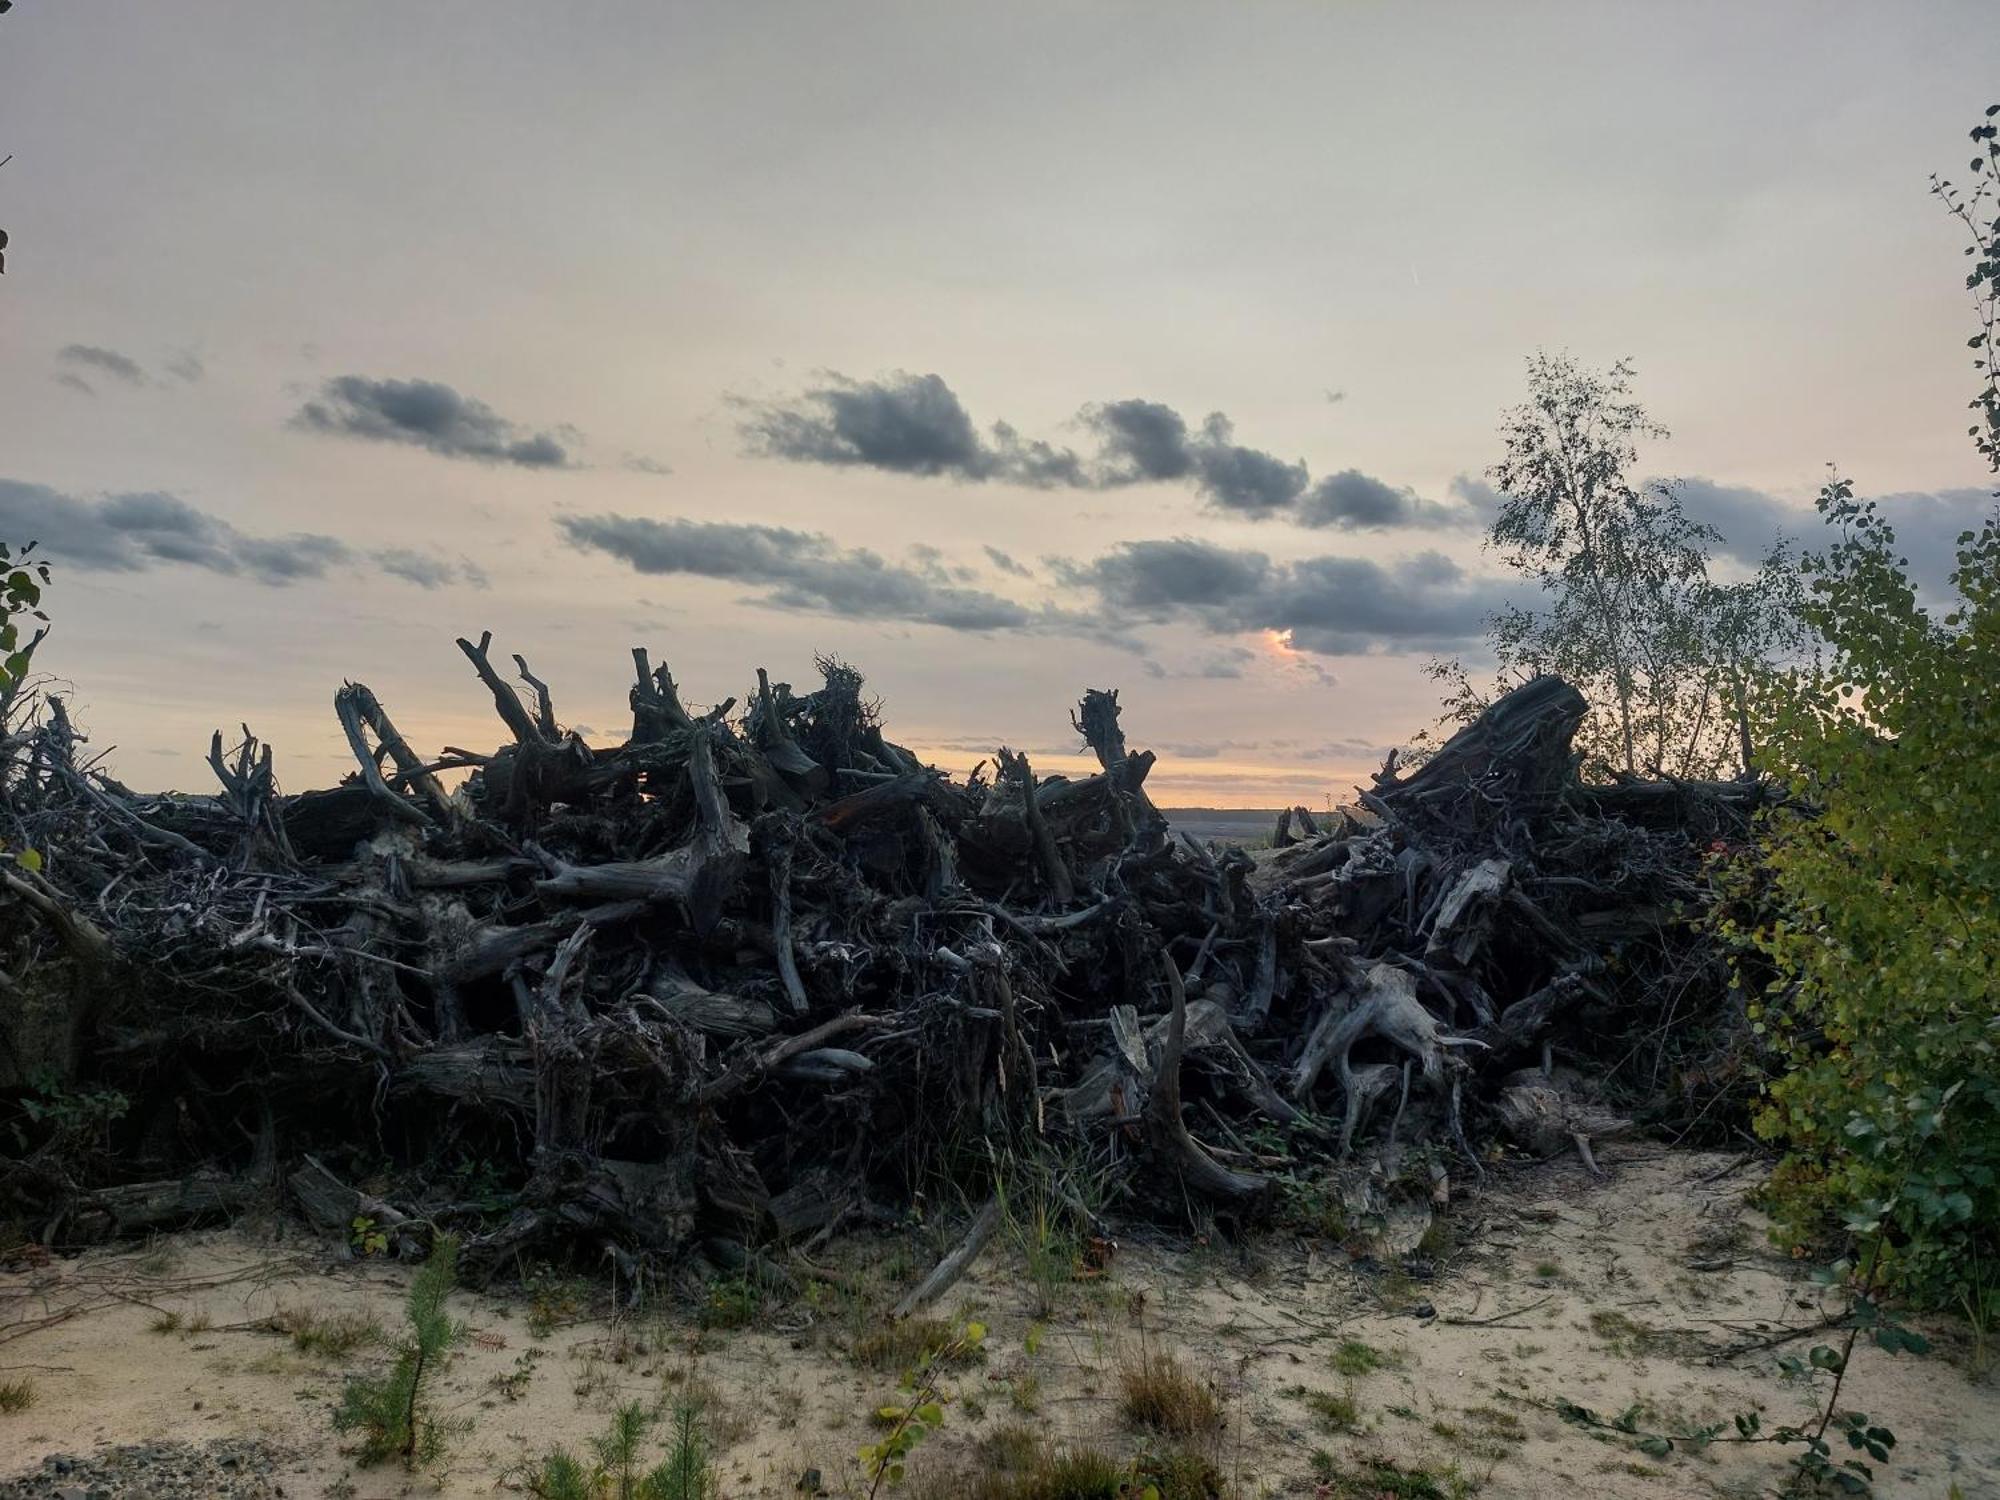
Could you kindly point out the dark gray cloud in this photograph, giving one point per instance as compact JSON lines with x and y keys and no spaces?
{"x":1159,"y":579}
{"x":103,"y":361}
{"x":1146,"y":441}
{"x":1330,"y":605}
{"x":430,"y":415}
{"x":796,"y":570}
{"x":1247,"y":481}
{"x":916,"y":424}
{"x":76,"y":382}
{"x":133,"y":532}
{"x":1141,"y":440}
{"x":905,"y":424}
{"x":1354,"y":501}
{"x":1927,"y":524}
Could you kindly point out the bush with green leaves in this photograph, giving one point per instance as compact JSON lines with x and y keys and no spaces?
{"x":393,"y":1413}
{"x":1881,"y":937}
{"x":1878,"y":950}
{"x":22,"y":579}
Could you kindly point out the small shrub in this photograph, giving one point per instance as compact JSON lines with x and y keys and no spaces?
{"x":392,"y":1412}
{"x":16,"y":1395}
{"x":560,"y":1476}
{"x":554,"y":1301}
{"x":1162,"y":1394}
{"x":732,"y":1302}
{"x":919,"y":1415}
{"x":683,"y":1474}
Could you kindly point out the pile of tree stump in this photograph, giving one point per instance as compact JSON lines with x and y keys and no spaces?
{"x":755,"y":975}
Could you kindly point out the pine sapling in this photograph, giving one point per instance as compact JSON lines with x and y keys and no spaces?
{"x":392,"y":1412}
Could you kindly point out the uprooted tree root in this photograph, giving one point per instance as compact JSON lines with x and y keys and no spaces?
{"x":744,"y":979}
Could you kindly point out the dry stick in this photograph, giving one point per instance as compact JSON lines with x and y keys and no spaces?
{"x":1053,"y":868}
{"x":79,"y":934}
{"x":751,"y":1065}
{"x":1499,"y":1317}
{"x":780,"y":856}
{"x":506,"y":701}
{"x":1164,"y":1126}
{"x":954,"y":1265}
{"x":356,"y":706}
{"x":545,"y":709}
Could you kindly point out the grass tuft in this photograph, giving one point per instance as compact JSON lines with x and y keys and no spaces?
{"x":1160,"y":1393}
{"x":16,"y":1395}
{"x":905,"y":1345}
{"x":1354,"y":1358}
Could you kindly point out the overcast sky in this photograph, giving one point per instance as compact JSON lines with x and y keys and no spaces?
{"x":1005,"y":350}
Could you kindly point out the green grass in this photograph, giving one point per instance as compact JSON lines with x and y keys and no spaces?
{"x":1334,"y":1413}
{"x":1355,"y":1358}
{"x":16,"y":1395}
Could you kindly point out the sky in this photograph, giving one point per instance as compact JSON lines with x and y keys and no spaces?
{"x":1004,"y":351}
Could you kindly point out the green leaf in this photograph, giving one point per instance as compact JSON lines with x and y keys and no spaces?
{"x":29,"y":859}
{"x":1656,"y":1447}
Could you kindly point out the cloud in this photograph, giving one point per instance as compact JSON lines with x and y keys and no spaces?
{"x":1927,"y":524}
{"x":638,"y":463}
{"x":1224,"y":665}
{"x":1141,"y":441}
{"x":904,"y":424}
{"x":104,"y":361}
{"x":186,"y":367}
{"x":426,"y":570}
{"x":1159,"y":579}
{"x":133,"y":532}
{"x":1328,"y":605}
{"x":796,"y":570}
{"x":76,"y":382}
{"x":917,"y":425}
{"x":430,"y":415}
{"x":1354,"y":501}
{"x":1006,"y":563}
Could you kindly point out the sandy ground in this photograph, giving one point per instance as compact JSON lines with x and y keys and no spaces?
{"x":1560,"y":1288}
